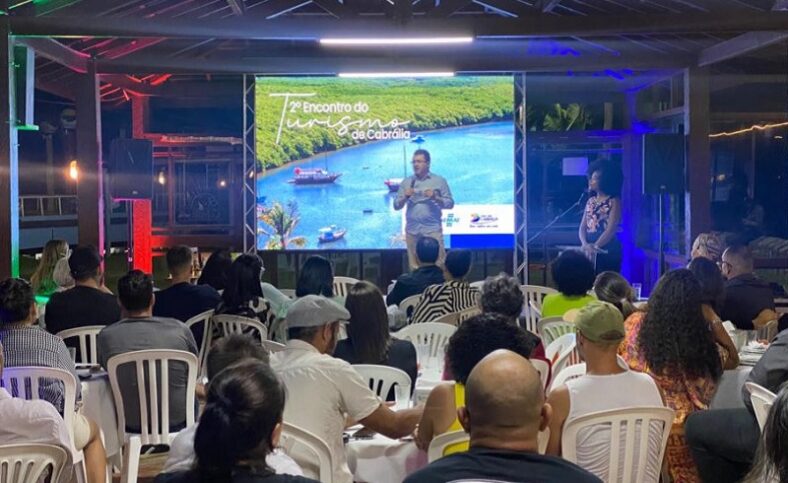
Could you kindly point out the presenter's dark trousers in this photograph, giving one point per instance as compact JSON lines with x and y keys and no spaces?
{"x":722,"y":442}
{"x":411,"y":241}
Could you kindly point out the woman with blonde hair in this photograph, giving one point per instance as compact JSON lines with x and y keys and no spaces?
{"x":41,"y":280}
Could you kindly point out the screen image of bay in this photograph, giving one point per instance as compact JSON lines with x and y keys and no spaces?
{"x":325,"y":187}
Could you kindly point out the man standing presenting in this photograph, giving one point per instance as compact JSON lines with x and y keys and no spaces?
{"x":425,"y":194}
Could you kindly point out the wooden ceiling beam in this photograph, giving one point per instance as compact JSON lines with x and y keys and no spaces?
{"x":237,"y":6}
{"x":57,"y":52}
{"x":738,"y":46}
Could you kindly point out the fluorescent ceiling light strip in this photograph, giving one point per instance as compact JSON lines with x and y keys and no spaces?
{"x":397,"y":41}
{"x":372,"y":75}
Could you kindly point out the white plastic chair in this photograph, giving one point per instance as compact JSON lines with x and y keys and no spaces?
{"x":432,"y":334}
{"x":535,"y":294}
{"x":203,"y":318}
{"x":382,"y":378}
{"x":311,"y":453}
{"x":544,"y":370}
{"x":30,"y":463}
{"x":87,"y":342}
{"x":150,"y":367}
{"x":535,"y":309}
{"x":635,"y":451}
{"x":273,"y":347}
{"x":288,"y":292}
{"x":236,"y":324}
{"x":466,"y":314}
{"x":452,"y":319}
{"x":563,"y":352}
{"x":342,"y":285}
{"x":439,"y":443}
{"x":477,"y":285}
{"x":568,"y":373}
{"x":551,"y":328}
{"x":409,"y":304}
{"x":762,"y":400}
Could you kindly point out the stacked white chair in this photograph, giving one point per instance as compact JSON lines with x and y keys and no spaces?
{"x":762,"y":400}
{"x":31,"y":463}
{"x":636,"y":455}
{"x":342,"y":285}
{"x":382,"y":378}
{"x":534,"y":295}
{"x":551,"y":328}
{"x":311,"y":453}
{"x":87,"y":342}
{"x":150,"y":367}
{"x":562,"y":352}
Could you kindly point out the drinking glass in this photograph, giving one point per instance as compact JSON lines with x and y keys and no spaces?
{"x":637,"y":288}
{"x":401,"y":396}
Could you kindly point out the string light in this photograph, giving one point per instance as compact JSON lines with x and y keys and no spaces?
{"x":73,"y":170}
{"x":755,"y":127}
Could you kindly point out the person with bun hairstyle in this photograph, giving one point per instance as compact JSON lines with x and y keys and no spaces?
{"x":614,"y":289}
{"x":240,"y":426}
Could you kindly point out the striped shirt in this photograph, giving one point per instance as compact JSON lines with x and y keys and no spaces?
{"x":31,"y":346}
{"x":447,"y":298}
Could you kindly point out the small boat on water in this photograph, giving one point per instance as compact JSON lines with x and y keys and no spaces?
{"x":393,"y":184}
{"x":313,"y":176}
{"x":331,"y":234}
{"x":418,"y":139}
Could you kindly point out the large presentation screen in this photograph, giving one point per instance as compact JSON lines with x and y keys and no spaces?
{"x":333,"y":152}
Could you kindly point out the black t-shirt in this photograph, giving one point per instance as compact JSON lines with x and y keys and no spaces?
{"x":80,"y":307}
{"x":183,"y":301}
{"x":240,"y":476}
{"x":745,"y":297}
{"x":503,"y":466}
{"x":402,"y":355}
{"x":414,"y":283}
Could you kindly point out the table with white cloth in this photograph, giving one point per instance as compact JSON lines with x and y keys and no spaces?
{"x":99,"y":406}
{"x":383,"y":460}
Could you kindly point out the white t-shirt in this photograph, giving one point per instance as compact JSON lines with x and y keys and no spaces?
{"x":591,"y":394}
{"x":321,"y":392}
{"x":181,"y":456}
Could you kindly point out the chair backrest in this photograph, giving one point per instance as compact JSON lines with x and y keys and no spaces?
{"x":408,"y":304}
{"x":203,"y":318}
{"x":535,"y":294}
{"x":544,"y":370}
{"x":273,"y":347}
{"x":452,"y":319}
{"x":568,"y":373}
{"x":551,"y":328}
{"x":477,"y":285}
{"x":535,"y":309}
{"x":87,"y":342}
{"x":433,"y":335}
{"x":382,"y":378}
{"x":226,"y":324}
{"x":563,"y":352}
{"x":439,"y":443}
{"x":762,"y":400}
{"x":30,"y":463}
{"x":311,"y":453}
{"x":342,"y":285}
{"x":150,"y":367}
{"x":28,"y":382}
{"x":635,"y":451}
{"x":466,"y":314}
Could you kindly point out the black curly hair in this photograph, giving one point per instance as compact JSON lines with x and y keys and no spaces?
{"x":674,"y":336}
{"x":481,"y":335}
{"x":712,"y":285}
{"x":611,"y":178}
{"x":573,"y":273}
{"x":16,"y":298}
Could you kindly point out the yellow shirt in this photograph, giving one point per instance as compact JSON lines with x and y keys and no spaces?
{"x":557,"y":304}
{"x":459,"y":401}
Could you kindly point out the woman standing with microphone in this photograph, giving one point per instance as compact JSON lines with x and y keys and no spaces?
{"x":602,"y":217}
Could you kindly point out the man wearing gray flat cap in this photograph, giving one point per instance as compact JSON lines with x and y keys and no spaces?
{"x":323,"y":391}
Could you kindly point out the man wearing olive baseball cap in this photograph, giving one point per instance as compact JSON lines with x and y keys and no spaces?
{"x":607,"y":384}
{"x":323,"y":391}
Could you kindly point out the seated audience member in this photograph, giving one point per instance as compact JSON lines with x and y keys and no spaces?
{"x":32,"y":422}
{"x":452,"y":296}
{"x":368,"y":339}
{"x":428,"y":273}
{"x":140,"y":330}
{"x":25,"y":345}
{"x":62,"y":276}
{"x":501,"y":294}
{"x":216,"y":270}
{"x":712,"y":286}
{"x":707,"y":245}
{"x":474,"y":339}
{"x":608,"y":384}
{"x":316,"y":277}
{"x":723,"y":441}
{"x":771,"y":463}
{"x":614,"y":289}
{"x":42,"y":279}
{"x":227,"y":352}
{"x":88,"y":303}
{"x":673,"y":343}
{"x":243,"y":295}
{"x":182,"y":300}
{"x":748,"y":301}
{"x":573,"y":274}
{"x":239,"y":429}
{"x":503,"y":412}
{"x":324,"y":391}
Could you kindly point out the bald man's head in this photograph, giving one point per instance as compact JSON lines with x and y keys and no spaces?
{"x":504,"y":402}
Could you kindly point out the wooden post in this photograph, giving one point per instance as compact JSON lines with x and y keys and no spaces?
{"x":90,"y":186}
{"x":9,"y":159}
{"x":697,"y":206}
